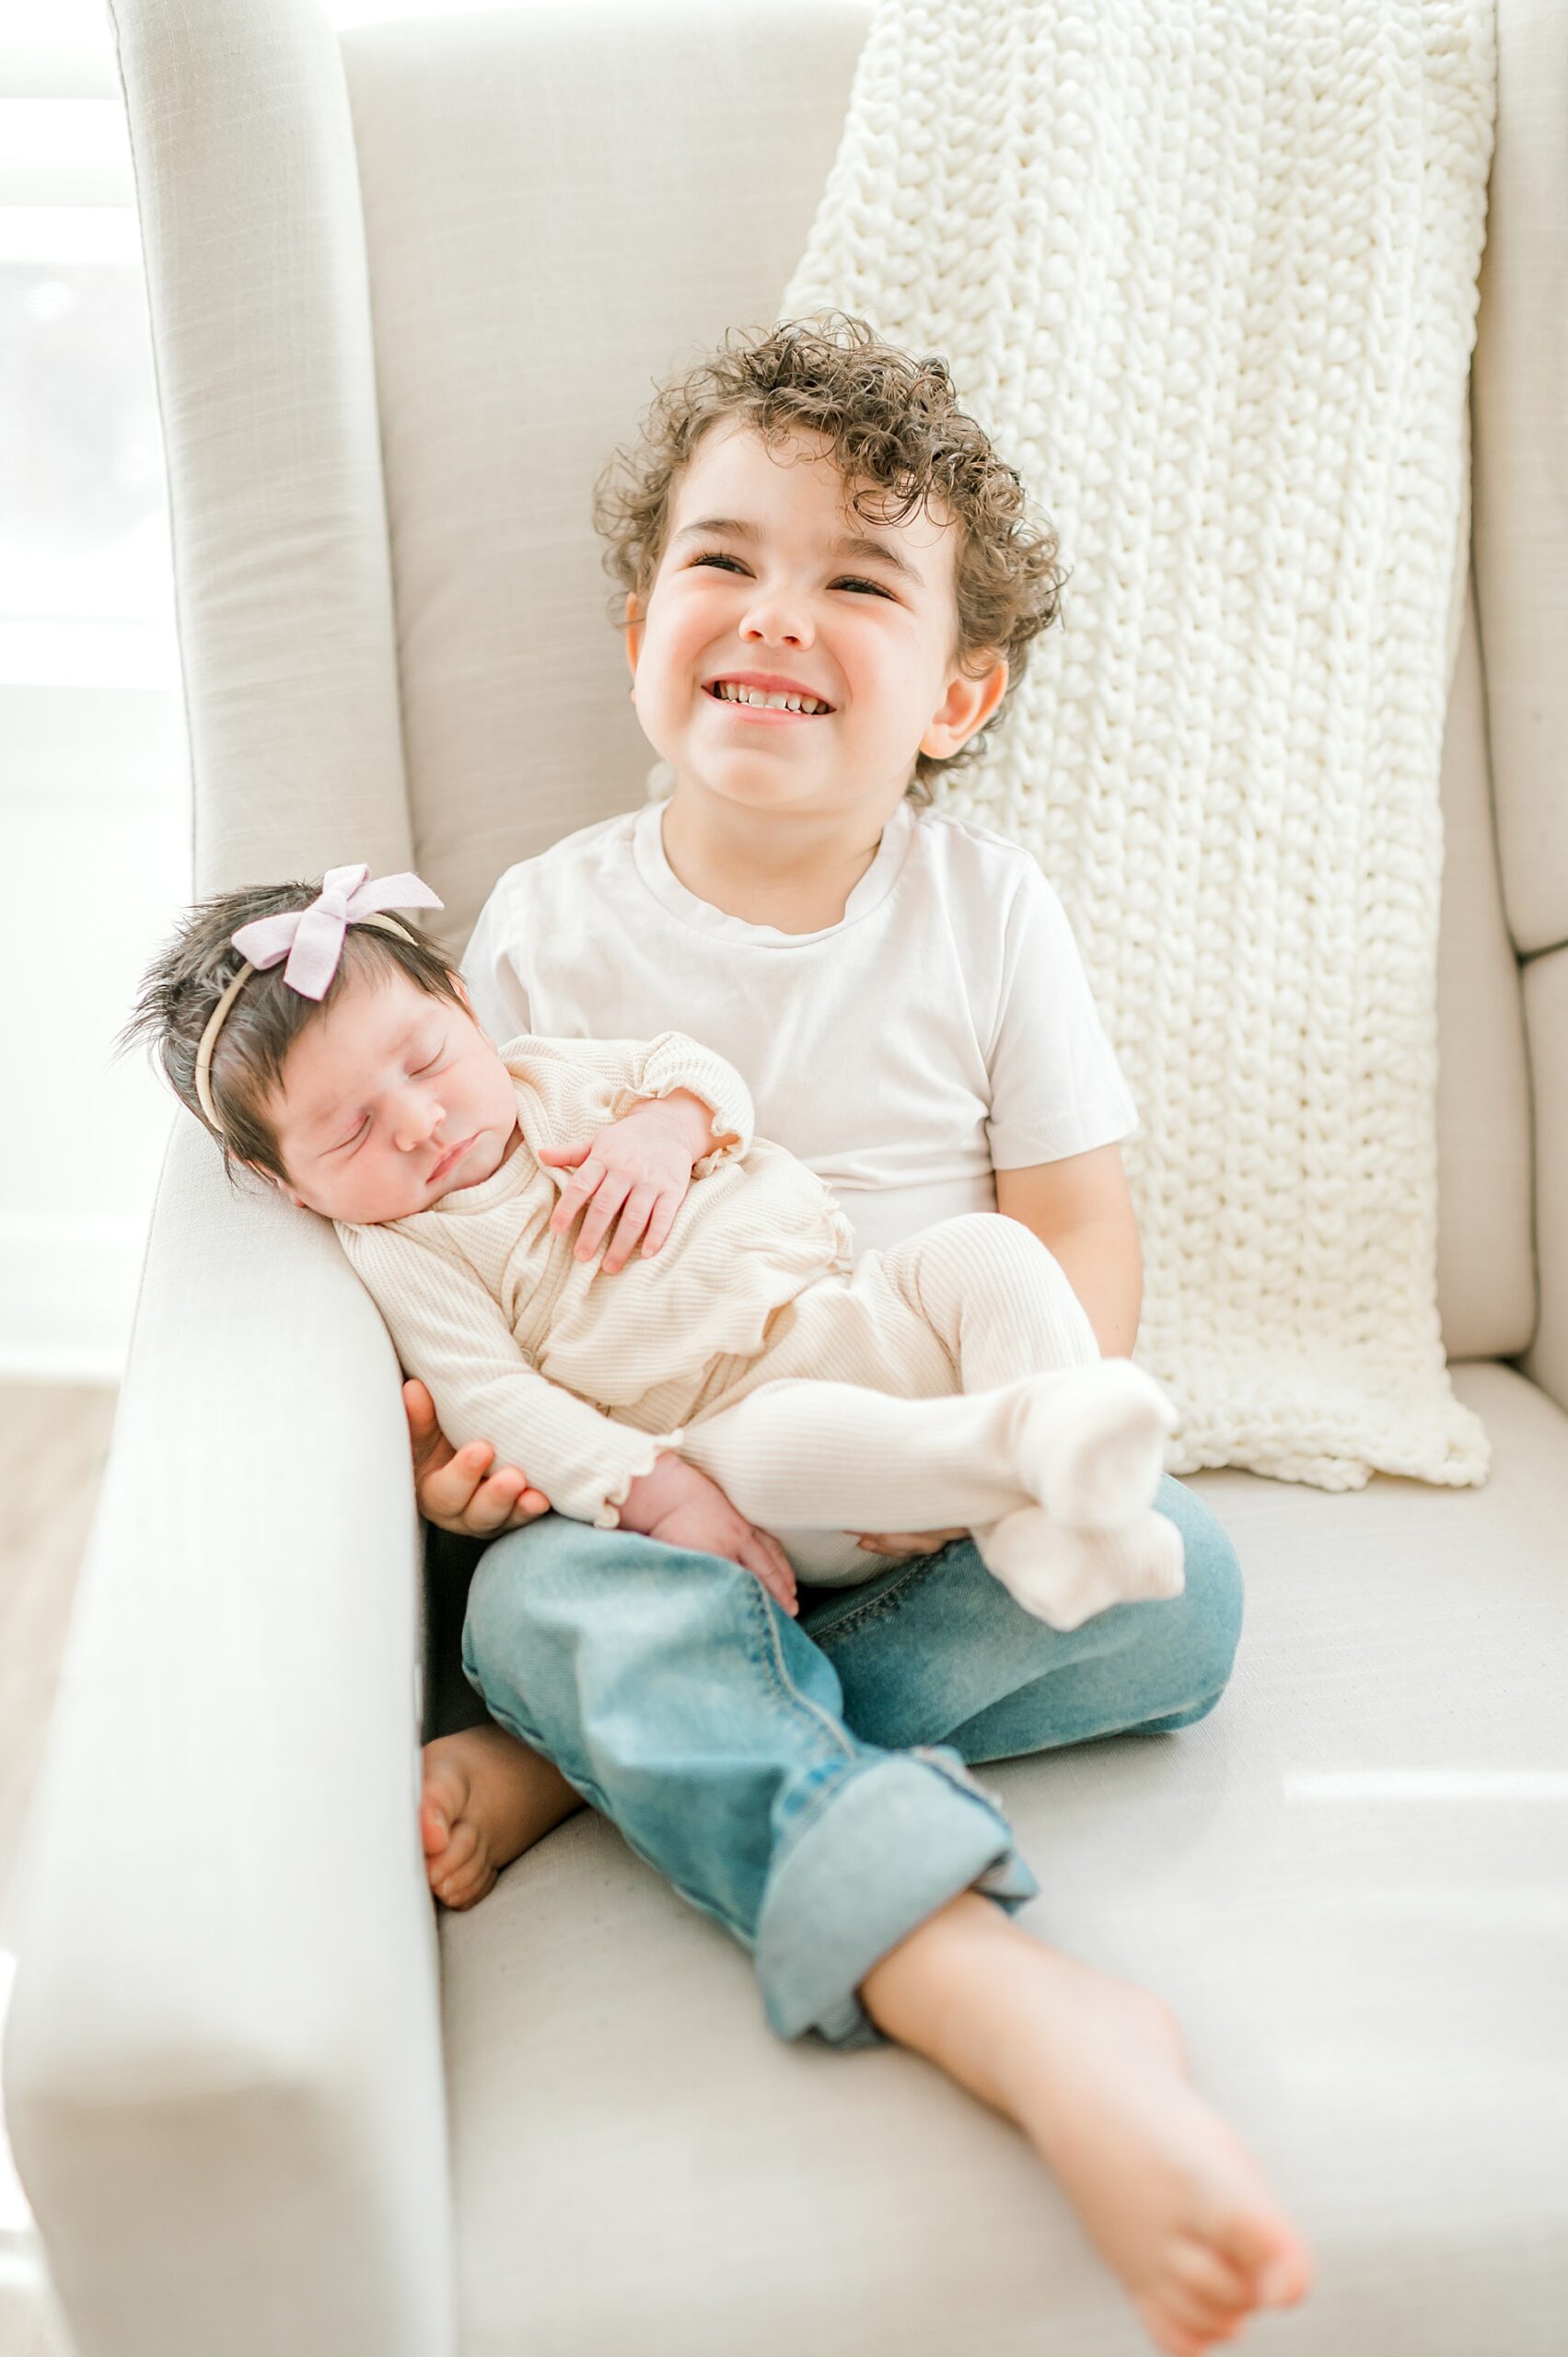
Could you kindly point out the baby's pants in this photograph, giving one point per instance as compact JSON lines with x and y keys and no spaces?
{"x":852,"y":1407}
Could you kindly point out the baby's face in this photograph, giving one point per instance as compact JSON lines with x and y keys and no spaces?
{"x":770,"y":583}
{"x":388,"y":1101}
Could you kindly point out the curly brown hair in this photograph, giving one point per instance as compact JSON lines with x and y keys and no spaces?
{"x":901,"y":444}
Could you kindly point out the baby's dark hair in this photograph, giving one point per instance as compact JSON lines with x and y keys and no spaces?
{"x":184,"y":984}
{"x":902,"y":445}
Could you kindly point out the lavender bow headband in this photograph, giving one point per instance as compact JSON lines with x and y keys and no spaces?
{"x":312,"y":941}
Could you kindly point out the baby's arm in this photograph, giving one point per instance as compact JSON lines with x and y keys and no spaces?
{"x":686,"y":1108}
{"x":451,"y":1334}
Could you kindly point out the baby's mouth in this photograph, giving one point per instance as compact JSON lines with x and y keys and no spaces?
{"x":737,"y":692}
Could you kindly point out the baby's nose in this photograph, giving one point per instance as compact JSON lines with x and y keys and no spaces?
{"x":419,"y":1124}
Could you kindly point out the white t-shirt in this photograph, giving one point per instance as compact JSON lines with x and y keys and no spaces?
{"x":943,"y":1029}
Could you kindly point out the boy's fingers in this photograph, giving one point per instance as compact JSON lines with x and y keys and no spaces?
{"x":420,"y":1409}
{"x":492,"y":1505}
{"x":445,"y":1491}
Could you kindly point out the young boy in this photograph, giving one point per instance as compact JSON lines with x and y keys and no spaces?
{"x":830,"y":583}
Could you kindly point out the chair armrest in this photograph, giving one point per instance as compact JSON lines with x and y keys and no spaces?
{"x":224,"y":2068}
{"x":1546,"y":1023}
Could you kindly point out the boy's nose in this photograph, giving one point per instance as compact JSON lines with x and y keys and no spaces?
{"x":779,"y":622}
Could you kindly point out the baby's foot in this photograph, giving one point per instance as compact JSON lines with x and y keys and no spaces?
{"x":1092,"y":1443}
{"x":1065,"y":1577}
{"x":485,"y":1800}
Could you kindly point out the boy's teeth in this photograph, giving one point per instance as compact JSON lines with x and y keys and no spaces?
{"x":731,"y":692}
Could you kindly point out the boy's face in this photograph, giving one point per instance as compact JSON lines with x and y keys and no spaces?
{"x":770,"y":583}
{"x":388,"y":1101}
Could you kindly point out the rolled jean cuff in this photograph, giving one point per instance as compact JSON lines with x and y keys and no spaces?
{"x":881,"y":1847}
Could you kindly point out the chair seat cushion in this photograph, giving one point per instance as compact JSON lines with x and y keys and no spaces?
{"x":1349,"y":1883}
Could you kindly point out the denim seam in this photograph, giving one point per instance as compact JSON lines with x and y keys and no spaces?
{"x":889,"y":1599}
{"x":770,"y":1654}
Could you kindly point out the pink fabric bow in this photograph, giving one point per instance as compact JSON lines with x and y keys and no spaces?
{"x":312,"y":938}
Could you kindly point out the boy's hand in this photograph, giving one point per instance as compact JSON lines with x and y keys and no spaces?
{"x":901,"y":1545}
{"x":682,"y":1507}
{"x":452,"y":1487}
{"x":635,"y":1170}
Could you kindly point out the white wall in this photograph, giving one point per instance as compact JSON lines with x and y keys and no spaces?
{"x":93,"y":781}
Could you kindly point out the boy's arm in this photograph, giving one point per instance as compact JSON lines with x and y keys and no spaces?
{"x":1080,"y":1208}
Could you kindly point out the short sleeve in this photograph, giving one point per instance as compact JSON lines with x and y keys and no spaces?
{"x":1056,"y":1088}
{"x":500,"y":997}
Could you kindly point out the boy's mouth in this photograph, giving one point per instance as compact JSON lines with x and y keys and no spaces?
{"x":756,"y":693}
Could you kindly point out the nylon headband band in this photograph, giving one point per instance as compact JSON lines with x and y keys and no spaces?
{"x":217,"y":1019}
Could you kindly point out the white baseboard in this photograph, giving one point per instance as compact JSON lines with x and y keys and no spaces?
{"x":67,"y":1295}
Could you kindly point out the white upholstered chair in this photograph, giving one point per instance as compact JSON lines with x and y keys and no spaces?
{"x":406,"y":291}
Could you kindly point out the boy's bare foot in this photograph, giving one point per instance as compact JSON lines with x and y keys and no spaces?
{"x":1092,"y":2071}
{"x":487,"y":1799}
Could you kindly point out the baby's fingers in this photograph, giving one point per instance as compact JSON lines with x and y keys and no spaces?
{"x":573,"y":1195}
{"x":767,"y":1559}
{"x":611,"y":1193}
{"x":634,"y":1220}
{"x":663,"y":1220}
{"x":563,"y":1157}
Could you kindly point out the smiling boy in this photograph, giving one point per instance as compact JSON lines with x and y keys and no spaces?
{"x":810,"y":520}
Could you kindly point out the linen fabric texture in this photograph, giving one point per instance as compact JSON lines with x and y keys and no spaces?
{"x":1215,"y":297}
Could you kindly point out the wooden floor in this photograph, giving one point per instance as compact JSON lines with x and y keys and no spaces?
{"x":53,"y":1441}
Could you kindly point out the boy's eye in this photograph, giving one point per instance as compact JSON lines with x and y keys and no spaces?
{"x":714,"y":556}
{"x":874,"y":587}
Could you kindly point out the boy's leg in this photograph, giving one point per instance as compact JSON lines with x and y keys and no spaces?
{"x":676,"y":1697}
{"x":936,"y":1650}
{"x":1092,"y":2069}
{"x":683,"y":1703}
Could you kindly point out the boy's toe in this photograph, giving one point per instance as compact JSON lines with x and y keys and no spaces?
{"x":1269,"y":2255}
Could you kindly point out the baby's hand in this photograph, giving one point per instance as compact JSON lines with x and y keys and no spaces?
{"x":637,"y":1171}
{"x":677,"y":1503}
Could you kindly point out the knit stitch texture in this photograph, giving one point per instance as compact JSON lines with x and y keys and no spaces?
{"x":1206,"y":270}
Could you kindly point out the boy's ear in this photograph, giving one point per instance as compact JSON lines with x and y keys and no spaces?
{"x":632,"y":632}
{"x":967,"y":706}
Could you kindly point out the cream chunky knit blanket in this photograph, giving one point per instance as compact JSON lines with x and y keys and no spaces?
{"x":1206,"y":270}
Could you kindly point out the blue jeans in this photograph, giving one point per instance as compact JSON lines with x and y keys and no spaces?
{"x":806,"y":1782}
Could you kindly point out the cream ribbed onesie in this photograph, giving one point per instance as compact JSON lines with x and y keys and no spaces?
{"x":814,"y":1397}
